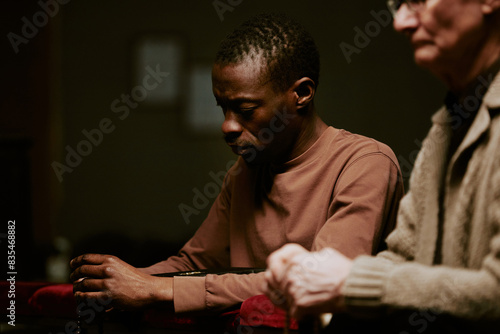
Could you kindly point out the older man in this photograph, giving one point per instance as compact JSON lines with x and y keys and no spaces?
{"x":443,"y":260}
{"x":297,"y":180}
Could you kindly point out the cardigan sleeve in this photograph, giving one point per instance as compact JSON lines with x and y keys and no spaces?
{"x":392,"y":279}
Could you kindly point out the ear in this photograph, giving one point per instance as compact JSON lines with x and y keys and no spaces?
{"x":304,"y":90}
{"x":490,"y":6}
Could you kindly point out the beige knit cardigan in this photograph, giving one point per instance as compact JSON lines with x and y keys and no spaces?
{"x":466,"y":283}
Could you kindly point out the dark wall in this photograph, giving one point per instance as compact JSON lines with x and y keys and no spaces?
{"x":29,"y":109}
{"x":133,"y":181}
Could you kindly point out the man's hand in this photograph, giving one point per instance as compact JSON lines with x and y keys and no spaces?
{"x":107,"y":277}
{"x":309,"y":281}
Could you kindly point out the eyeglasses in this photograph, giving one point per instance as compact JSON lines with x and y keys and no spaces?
{"x":414,"y":5}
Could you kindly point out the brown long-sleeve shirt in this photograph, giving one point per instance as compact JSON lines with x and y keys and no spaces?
{"x":343,"y":192}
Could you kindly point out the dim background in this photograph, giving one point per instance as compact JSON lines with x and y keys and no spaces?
{"x":124,"y":197}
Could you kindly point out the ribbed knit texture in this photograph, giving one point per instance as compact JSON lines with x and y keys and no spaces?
{"x":366,"y":284}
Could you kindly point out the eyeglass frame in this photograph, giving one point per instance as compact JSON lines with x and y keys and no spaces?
{"x":413,"y":5}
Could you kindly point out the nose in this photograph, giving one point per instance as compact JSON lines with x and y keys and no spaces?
{"x":231,"y":128}
{"x":405,"y":19}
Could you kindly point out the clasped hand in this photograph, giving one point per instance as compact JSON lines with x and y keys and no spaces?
{"x":105,"y":277}
{"x":306,"y":282}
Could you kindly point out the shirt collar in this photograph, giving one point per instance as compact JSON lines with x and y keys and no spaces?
{"x":484,"y":90}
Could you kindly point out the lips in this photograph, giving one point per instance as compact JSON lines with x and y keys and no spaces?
{"x":419,"y":39}
{"x":417,"y":44}
{"x":239,"y":150}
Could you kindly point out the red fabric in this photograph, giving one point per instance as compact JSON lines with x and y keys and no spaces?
{"x":57,"y":300}
{"x":54,"y":300}
{"x":164,"y":319}
{"x":260,"y":311}
{"x":22,"y":291}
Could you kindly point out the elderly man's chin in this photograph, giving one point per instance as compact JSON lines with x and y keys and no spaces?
{"x":427,"y":56}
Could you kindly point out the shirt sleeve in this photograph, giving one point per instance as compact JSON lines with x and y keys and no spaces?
{"x":209,"y":249}
{"x":215,"y":292}
{"x":364,"y":206}
{"x":209,"y":246}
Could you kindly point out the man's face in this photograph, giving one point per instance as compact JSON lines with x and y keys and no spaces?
{"x":260,"y":122}
{"x":444,"y":33}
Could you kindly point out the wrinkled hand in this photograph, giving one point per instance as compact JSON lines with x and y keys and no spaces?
{"x":105,"y":277}
{"x":310,"y":282}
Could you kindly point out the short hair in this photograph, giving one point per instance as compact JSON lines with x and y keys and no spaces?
{"x":283,"y":45}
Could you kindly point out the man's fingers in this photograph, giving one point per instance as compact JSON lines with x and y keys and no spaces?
{"x":88,"y":265}
{"x":283,"y":254}
{"x":89,"y":285}
{"x":274,"y":274}
{"x":278,"y":261}
{"x":273,"y":292}
{"x":84,"y":271}
{"x":291,"y":250}
{"x":271,"y":283}
{"x":278,"y":272}
{"x":87,"y":259}
{"x":99,"y":299}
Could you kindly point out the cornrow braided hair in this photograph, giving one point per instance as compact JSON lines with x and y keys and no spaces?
{"x":285,"y":48}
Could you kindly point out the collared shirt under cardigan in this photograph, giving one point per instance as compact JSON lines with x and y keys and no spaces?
{"x":464,"y":281}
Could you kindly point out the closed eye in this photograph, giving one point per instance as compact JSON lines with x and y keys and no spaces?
{"x":246,"y":112}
